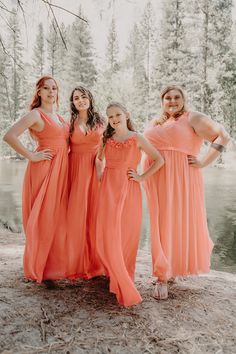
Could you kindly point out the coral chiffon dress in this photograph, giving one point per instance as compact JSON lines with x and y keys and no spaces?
{"x":175,"y":194}
{"x":44,"y":205}
{"x":83,"y":261}
{"x":119,"y":219}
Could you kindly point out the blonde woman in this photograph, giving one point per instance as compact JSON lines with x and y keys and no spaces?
{"x":180,"y":241}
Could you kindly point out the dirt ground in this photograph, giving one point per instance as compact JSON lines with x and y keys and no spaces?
{"x":198,"y":317}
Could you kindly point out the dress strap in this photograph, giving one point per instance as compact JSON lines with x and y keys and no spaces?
{"x":43,"y":116}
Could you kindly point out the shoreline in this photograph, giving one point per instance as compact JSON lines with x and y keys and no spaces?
{"x":83,"y":317}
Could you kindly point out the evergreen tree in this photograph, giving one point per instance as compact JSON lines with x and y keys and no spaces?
{"x":224,"y":107}
{"x":135,"y":63}
{"x":140,"y":61}
{"x":206,"y":54}
{"x":53,"y":41}
{"x":110,"y":81}
{"x":112,"y":51}
{"x":13,"y":79}
{"x":82,"y":68}
{"x":39,"y":53}
{"x":5,"y":106}
{"x":171,"y":57}
{"x":148,"y":34}
{"x":63,"y":70}
{"x":16,"y":72}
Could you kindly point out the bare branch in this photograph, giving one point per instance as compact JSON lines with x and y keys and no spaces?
{"x":6,"y":9}
{"x":57,"y":26}
{"x":62,"y":8}
{"x":8,"y":24}
{"x":23,"y":11}
{"x":21,"y":6}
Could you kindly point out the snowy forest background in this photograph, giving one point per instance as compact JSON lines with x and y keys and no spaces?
{"x":186,"y":42}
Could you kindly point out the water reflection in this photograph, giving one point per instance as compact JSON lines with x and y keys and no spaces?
{"x":220,"y":190}
{"x":11,"y":178}
{"x":225,"y":246}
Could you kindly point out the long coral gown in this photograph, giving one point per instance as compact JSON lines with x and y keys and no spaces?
{"x":119,"y":219}
{"x":175,"y":195}
{"x":83,"y":260}
{"x":44,"y":205}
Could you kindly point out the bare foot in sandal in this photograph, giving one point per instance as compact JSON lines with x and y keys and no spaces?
{"x":161,"y":291}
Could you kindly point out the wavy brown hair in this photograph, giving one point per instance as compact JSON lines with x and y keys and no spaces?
{"x":109,"y":130}
{"x":164,"y":115}
{"x":36,"y":100}
{"x":94,"y":118}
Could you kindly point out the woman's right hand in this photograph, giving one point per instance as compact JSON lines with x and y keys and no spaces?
{"x":41,"y":155}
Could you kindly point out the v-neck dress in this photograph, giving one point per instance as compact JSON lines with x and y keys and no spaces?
{"x":179,"y":235}
{"x":44,"y":205}
{"x":83,"y":261}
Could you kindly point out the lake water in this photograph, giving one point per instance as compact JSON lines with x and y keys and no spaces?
{"x":220,"y":191}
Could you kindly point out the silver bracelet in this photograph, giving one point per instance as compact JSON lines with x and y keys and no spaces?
{"x":218,"y":147}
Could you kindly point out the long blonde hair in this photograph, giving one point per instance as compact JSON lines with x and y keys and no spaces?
{"x":164,"y":115}
{"x":109,"y":131}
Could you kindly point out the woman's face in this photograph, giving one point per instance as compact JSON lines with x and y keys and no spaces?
{"x":48,"y":92}
{"x":172,"y":102}
{"x":117,"y":118}
{"x":81,"y":101}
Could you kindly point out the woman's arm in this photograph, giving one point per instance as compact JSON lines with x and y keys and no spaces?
{"x":31,"y":120}
{"x":149,"y":149}
{"x":100,"y":161}
{"x":209,"y":130}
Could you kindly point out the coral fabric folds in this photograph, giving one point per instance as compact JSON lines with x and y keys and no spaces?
{"x":119,"y":219}
{"x":44,"y":205}
{"x":175,"y":194}
{"x":83,"y":193}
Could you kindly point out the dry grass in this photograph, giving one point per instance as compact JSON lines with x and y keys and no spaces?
{"x":83,"y":317}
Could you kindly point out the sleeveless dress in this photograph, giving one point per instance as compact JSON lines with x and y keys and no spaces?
{"x":175,"y":195}
{"x":44,"y":205}
{"x":83,"y":260}
{"x":119,"y":219}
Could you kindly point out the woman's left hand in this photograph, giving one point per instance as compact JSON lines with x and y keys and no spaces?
{"x":194,"y":162}
{"x":134,"y":176}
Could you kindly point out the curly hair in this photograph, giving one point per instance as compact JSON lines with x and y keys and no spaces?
{"x":109,"y":131}
{"x":94,"y":118}
{"x":165,"y":116}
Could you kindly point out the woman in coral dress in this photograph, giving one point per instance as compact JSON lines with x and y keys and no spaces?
{"x":180,"y":241}
{"x":120,"y":205}
{"x":86,"y":128}
{"x":45,"y":184}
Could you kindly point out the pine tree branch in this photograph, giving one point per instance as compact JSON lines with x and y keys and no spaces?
{"x":62,"y":8}
{"x":8,"y":54}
